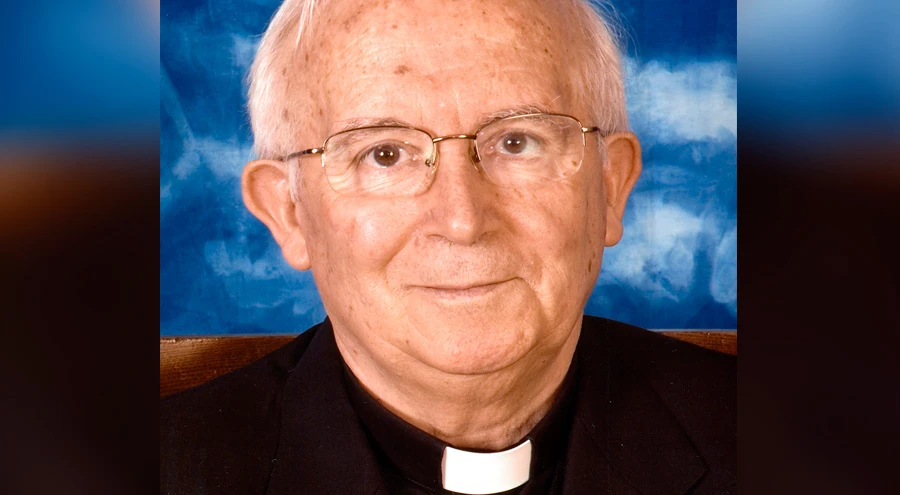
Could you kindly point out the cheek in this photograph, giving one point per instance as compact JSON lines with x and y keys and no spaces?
{"x":548,"y":227}
{"x":374,"y":235}
{"x":361,"y":238}
{"x":595,"y":206}
{"x":564,"y":219}
{"x":571,"y":229}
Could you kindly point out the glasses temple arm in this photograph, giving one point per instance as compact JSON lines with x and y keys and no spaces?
{"x":311,"y":151}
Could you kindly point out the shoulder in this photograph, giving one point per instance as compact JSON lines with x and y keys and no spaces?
{"x":697,"y":386}
{"x":227,"y":427}
{"x":690,"y":379}
{"x":659,"y":357}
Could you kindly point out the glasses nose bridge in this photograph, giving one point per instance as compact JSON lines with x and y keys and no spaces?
{"x":436,"y":140}
{"x":471,"y":137}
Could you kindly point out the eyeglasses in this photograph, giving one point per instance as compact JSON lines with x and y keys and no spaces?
{"x":392,"y":161}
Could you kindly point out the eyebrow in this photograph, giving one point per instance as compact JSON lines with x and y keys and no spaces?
{"x":511,"y":112}
{"x":356,"y":123}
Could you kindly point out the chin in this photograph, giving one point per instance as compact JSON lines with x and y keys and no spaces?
{"x":472,"y":360}
{"x":471,"y":347}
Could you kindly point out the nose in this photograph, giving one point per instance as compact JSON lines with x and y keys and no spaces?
{"x":460,"y":199}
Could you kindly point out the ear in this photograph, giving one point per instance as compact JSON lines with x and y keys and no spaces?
{"x":265,"y":185}
{"x":622,"y":170}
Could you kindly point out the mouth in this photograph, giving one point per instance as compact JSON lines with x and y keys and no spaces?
{"x":463,"y":290}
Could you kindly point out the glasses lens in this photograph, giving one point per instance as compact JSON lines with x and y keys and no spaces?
{"x":531,"y":148}
{"x":379,"y":161}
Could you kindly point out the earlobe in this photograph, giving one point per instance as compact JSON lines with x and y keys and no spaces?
{"x":623,"y":167}
{"x":265,"y":186}
{"x":295,"y":251}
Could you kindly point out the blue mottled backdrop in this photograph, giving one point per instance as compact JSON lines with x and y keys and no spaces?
{"x":221,"y":272}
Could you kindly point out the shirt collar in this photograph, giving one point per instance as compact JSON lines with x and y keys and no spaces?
{"x":417,"y":456}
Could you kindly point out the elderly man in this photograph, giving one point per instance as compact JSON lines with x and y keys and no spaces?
{"x":451,"y":172}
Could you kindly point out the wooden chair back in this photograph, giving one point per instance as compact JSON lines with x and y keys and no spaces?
{"x":185,"y":362}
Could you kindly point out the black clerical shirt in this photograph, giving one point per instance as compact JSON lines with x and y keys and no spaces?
{"x":648,"y":415}
{"x":410,"y":459}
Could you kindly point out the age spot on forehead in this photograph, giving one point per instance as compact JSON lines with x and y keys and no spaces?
{"x":352,"y":20}
{"x":401,"y":69}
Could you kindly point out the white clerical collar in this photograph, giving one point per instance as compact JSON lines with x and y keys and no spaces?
{"x":476,"y":473}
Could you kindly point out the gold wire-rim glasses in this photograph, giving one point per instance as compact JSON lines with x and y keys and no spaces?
{"x":434,"y":140}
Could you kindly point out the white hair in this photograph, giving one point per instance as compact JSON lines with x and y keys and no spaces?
{"x":273,"y":95}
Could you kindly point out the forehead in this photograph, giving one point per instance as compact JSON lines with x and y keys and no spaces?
{"x":414,"y":59}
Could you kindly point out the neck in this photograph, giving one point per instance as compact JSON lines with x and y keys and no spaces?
{"x":489,"y":411}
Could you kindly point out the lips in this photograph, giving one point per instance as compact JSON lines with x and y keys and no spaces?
{"x":464,"y":286}
{"x":465,"y":289}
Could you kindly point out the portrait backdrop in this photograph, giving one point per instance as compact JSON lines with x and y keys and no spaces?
{"x":675,"y":268}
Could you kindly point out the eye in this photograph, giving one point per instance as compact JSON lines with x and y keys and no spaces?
{"x":517,"y":143}
{"x":514,"y":143}
{"x":385,"y":155}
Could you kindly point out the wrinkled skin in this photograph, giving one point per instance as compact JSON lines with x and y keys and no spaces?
{"x":468,"y":298}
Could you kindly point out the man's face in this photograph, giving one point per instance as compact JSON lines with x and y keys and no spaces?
{"x":467,"y":277}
